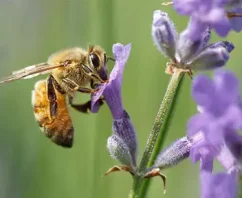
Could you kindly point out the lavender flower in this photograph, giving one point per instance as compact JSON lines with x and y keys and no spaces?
{"x":173,"y":154}
{"x":219,"y":100}
{"x":214,"y":14}
{"x":236,"y":21}
{"x":112,"y":89}
{"x":184,"y":52}
{"x":122,"y":144}
{"x":213,"y":132}
{"x":220,"y":185}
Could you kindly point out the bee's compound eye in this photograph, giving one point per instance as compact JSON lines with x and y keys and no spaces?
{"x":95,"y":60}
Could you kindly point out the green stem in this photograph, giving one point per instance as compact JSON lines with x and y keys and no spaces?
{"x":160,"y":118}
{"x":240,"y":187}
{"x":161,"y":138}
{"x":136,"y":185}
{"x":152,"y":147}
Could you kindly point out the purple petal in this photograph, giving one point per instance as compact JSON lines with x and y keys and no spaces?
{"x":201,"y":150}
{"x":185,"y":7}
{"x":236,"y":22}
{"x":206,"y":163}
{"x":218,"y":20}
{"x":194,"y":155}
{"x":197,"y":123}
{"x":205,"y":153}
{"x":187,"y":47}
{"x":195,"y":29}
{"x":232,"y":118}
{"x":206,"y":37}
{"x":230,"y":152}
{"x":227,"y":86}
{"x":112,"y":90}
{"x":121,"y":54}
{"x":95,"y":97}
{"x":221,"y":185}
{"x":214,"y":133}
{"x":234,"y":144}
{"x":203,"y":90}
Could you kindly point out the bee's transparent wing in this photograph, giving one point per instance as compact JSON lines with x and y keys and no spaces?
{"x":30,"y":72}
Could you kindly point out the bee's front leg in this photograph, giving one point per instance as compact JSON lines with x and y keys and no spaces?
{"x":75,"y":87}
{"x":85,"y":107}
{"x":51,"y":96}
{"x":89,"y":72}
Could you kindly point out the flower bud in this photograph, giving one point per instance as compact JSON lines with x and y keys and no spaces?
{"x":227,"y":45}
{"x":124,"y":129}
{"x":187,"y":48}
{"x":210,"y":58}
{"x":164,"y":33}
{"x":206,"y":37}
{"x":173,"y":154}
{"x":119,"y":150}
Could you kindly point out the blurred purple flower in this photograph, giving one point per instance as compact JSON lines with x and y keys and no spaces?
{"x":210,"y":13}
{"x":236,"y":22}
{"x":183,"y":51}
{"x":122,"y":144}
{"x":220,"y":185}
{"x":214,"y":132}
{"x":173,"y":154}
{"x":219,"y":99}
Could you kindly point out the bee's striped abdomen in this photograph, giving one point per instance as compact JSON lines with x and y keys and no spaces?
{"x":58,"y":128}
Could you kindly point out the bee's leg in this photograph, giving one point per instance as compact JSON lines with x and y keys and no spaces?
{"x":93,"y":85}
{"x":85,"y":90}
{"x":78,"y":88}
{"x":91,"y":73}
{"x":110,"y":58}
{"x":85,"y":107}
{"x":51,"y":96}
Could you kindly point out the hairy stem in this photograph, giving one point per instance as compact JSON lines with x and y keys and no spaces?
{"x":152,"y":147}
{"x":160,"y":139}
{"x":160,"y":118}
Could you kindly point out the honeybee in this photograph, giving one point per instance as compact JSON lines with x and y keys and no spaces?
{"x":71,"y":70}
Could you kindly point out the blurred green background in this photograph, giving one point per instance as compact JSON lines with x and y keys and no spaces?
{"x":32,"y":166}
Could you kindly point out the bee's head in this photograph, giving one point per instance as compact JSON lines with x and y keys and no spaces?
{"x":98,"y":59}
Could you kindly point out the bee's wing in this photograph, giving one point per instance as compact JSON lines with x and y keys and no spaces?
{"x":30,"y":72}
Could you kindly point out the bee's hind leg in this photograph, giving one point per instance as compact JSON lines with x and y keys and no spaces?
{"x":51,"y":96}
{"x":85,"y":107}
